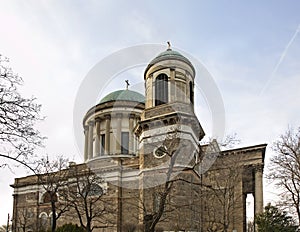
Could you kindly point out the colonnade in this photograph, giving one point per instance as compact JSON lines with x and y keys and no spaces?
{"x":93,"y":133}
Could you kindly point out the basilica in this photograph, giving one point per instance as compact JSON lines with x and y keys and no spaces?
{"x":149,"y":169}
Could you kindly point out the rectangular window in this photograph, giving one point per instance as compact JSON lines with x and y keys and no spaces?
{"x":124,"y":142}
{"x":102,"y":144}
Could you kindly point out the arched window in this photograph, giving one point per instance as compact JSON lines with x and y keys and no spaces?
{"x":191,"y":93}
{"x":161,"y":89}
{"x":49,"y":197}
{"x":43,"y":220}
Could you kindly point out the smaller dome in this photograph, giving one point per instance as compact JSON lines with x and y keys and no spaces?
{"x":169,"y":54}
{"x":123,"y":95}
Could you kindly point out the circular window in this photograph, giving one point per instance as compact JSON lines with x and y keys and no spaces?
{"x":93,"y":190}
{"x":160,"y":152}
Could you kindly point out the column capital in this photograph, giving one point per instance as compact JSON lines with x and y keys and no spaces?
{"x":97,"y":119}
{"x":259,"y":168}
{"x":131,"y":116}
{"x":91,"y":123}
{"x":107,"y":116}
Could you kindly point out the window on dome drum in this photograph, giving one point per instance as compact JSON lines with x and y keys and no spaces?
{"x":191,"y":93}
{"x":94,"y":145}
{"x":124,"y":142}
{"x":161,"y":89}
{"x":48,"y":197}
{"x":102,"y":145}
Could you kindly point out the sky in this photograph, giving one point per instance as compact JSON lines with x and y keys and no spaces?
{"x":250,"y":48}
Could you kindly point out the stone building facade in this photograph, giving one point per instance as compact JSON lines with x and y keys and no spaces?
{"x":147,"y":152}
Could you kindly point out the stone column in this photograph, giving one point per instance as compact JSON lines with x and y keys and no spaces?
{"x":97,"y":139}
{"x":149,"y":92}
{"x":258,"y":194}
{"x":107,"y":134}
{"x":172,"y":85}
{"x":131,"y":138}
{"x":118,"y":134}
{"x":90,"y":142}
{"x":86,"y":142}
{"x":244,"y":211}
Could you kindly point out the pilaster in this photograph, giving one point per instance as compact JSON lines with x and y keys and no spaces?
{"x":86,"y":140}
{"x":131,"y":139}
{"x":118,"y":135}
{"x":97,"y":139}
{"x":90,"y":140}
{"x":107,"y":134}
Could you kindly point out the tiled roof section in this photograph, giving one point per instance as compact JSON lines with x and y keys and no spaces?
{"x":123,"y":95}
{"x":169,"y":54}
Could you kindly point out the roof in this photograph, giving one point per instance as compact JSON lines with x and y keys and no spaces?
{"x":169,"y":54}
{"x":123,"y":95}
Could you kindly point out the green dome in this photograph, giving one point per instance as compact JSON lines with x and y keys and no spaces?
{"x":170,"y":54}
{"x":123,"y":95}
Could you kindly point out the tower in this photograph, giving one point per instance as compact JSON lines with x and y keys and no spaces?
{"x":169,"y":134}
{"x":169,"y":108}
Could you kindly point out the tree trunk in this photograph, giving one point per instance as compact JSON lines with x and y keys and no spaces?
{"x":88,"y":226}
{"x":53,"y":225}
{"x":148,"y":220}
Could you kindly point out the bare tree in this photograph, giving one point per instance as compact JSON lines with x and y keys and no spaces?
{"x":221,"y":199}
{"x":285,"y":169}
{"x":179,"y":158}
{"x":250,"y":226}
{"x":217,"y":195}
{"x":166,"y":203}
{"x":228,"y":142}
{"x":53,"y":176}
{"x":86,"y":197}
{"x":18,"y":115}
{"x":181,"y":164}
{"x":25,"y":220}
{"x":129,"y":227}
{"x":3,"y":228}
{"x":220,"y":196}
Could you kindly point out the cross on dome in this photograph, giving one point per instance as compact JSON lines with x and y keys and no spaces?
{"x":127,"y":83}
{"x":169,"y":45}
